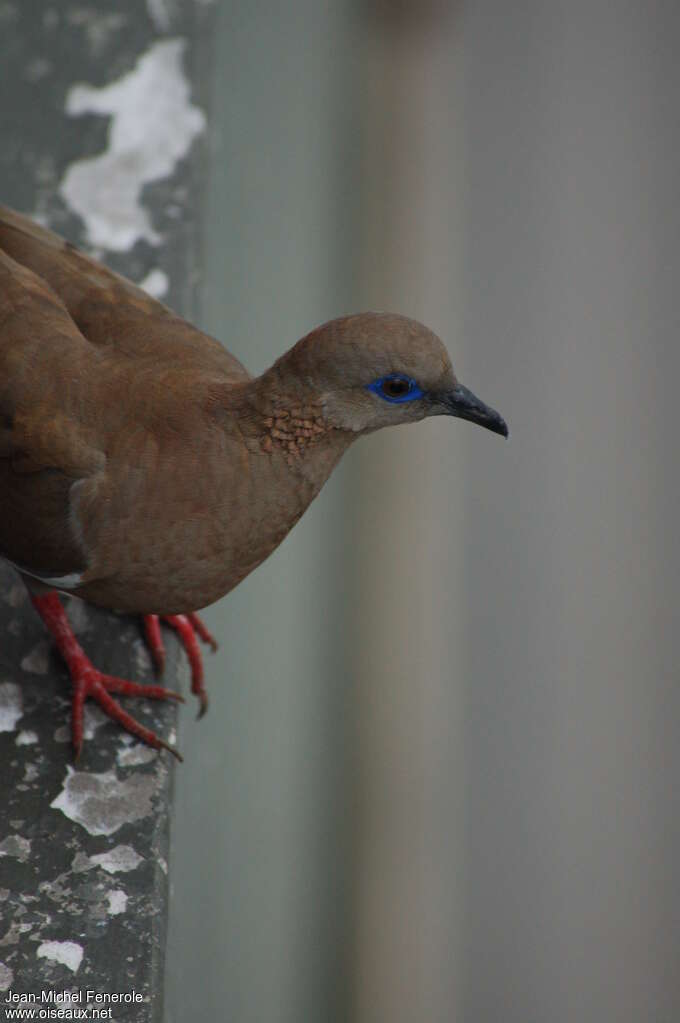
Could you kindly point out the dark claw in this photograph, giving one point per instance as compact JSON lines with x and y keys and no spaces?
{"x":203,"y":705}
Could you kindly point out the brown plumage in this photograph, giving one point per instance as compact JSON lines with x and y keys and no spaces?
{"x":141,"y":466}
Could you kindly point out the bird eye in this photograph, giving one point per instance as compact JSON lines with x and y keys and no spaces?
{"x":395,"y":388}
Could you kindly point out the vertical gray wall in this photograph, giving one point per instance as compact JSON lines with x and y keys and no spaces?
{"x":437,"y":781}
{"x":573,"y":252}
{"x":262,"y":826}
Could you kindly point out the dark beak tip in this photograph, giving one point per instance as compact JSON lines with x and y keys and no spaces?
{"x":463,"y":404}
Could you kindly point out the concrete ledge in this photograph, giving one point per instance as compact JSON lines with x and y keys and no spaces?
{"x":84,"y":849}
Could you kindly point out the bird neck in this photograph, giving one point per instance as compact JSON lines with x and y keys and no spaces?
{"x":283,"y":421}
{"x":293,"y":426}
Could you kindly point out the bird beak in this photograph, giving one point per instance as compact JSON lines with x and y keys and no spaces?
{"x":465,"y":405}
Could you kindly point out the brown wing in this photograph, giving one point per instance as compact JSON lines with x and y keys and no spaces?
{"x":44,"y":449}
{"x":107,"y":309}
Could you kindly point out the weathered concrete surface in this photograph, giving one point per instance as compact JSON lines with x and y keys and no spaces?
{"x":84,"y":849}
{"x":87,"y":90}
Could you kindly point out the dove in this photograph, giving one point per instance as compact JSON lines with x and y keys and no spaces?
{"x":144,"y":469}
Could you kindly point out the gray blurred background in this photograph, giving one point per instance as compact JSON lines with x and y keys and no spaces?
{"x":439,"y":777}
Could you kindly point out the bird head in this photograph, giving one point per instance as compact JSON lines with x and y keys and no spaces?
{"x":378,"y":369}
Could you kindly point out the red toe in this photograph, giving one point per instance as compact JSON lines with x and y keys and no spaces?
{"x":88,"y":681}
{"x":203,"y":633}
{"x":188,"y":627}
{"x":154,"y":641}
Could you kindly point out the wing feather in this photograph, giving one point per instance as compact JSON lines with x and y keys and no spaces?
{"x":44,"y":450}
{"x":108,"y":309}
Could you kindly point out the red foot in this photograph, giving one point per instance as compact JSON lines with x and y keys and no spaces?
{"x":188,"y":627}
{"x":89,"y":681}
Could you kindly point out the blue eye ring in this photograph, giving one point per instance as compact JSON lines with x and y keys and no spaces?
{"x":395,"y":388}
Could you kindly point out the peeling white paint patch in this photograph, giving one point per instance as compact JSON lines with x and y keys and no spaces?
{"x":159,"y":14}
{"x":80,"y":863}
{"x":120,"y":859}
{"x":143,"y":663}
{"x":153,"y":124}
{"x":11,"y":706}
{"x":13,"y":934}
{"x":155,"y":283}
{"x":101,"y":803}
{"x":26,"y":738}
{"x":37,"y":661}
{"x":30,"y":772}
{"x":132,"y":756}
{"x":17,"y":846}
{"x":68,"y":953}
{"x":78,"y":615}
{"x":93,"y":718}
{"x":117,"y":902}
{"x":6,"y":977}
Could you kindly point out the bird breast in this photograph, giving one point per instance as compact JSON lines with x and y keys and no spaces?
{"x":178,"y":520}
